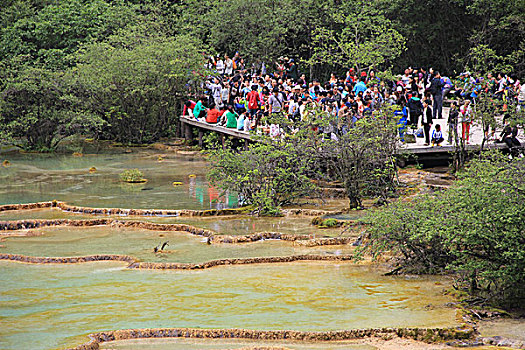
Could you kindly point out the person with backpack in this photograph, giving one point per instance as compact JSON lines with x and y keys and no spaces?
{"x":415,"y":109}
{"x":275,"y":102}
{"x":436,"y":89}
{"x":254,"y":100}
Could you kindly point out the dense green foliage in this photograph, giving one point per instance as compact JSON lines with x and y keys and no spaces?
{"x":103,"y":69}
{"x":89,"y":44}
{"x":135,"y":83}
{"x":357,"y":34}
{"x":266,"y":175}
{"x":278,"y":171}
{"x":362,"y":158}
{"x":48,"y":35}
{"x":476,"y":229}
{"x":445,"y":35}
{"x":39,"y":110}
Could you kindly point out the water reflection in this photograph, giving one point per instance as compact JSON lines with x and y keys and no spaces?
{"x":43,"y":177}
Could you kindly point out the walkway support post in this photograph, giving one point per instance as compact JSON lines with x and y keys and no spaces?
{"x":201,"y":134}
{"x":188,"y":133}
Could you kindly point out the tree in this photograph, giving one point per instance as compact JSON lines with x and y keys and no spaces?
{"x":38,"y":105}
{"x":357,"y":35}
{"x":50,"y":34}
{"x":501,"y":28}
{"x":267,"y":175}
{"x":361,"y":155}
{"x":136,"y":80}
{"x":261,"y":30}
{"x":474,"y":229}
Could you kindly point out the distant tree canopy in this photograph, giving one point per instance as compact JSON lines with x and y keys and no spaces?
{"x":47,"y":36}
{"x":60,"y":43}
{"x":439,"y":34}
{"x":133,"y":82}
{"x":357,"y":35}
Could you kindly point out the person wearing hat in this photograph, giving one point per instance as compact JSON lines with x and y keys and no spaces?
{"x":350,"y":76}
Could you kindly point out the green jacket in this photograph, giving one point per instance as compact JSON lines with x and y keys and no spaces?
{"x":231,"y":120}
{"x":197,"y":109}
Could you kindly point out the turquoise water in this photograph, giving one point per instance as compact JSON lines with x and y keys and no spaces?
{"x":56,"y":306}
{"x":44,"y":177}
{"x":182,"y":247}
{"x":231,"y":225}
{"x":50,"y":306}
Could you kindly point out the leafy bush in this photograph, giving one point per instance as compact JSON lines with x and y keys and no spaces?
{"x":326,"y":223}
{"x":135,"y":85}
{"x":38,"y":110}
{"x":132,"y":175}
{"x":475,"y":229}
{"x":265,"y":176}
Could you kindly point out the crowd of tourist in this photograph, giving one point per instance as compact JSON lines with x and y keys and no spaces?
{"x":238,"y":97}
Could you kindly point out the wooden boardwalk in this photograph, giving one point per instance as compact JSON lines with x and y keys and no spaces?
{"x":418,"y":149}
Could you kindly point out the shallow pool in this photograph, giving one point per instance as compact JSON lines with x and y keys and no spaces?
{"x":230,"y":225}
{"x":182,"y":246}
{"x":44,"y":177}
{"x":49,"y":306}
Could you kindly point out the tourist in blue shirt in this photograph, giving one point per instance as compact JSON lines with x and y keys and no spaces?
{"x":360,"y":86}
{"x":437,"y":136}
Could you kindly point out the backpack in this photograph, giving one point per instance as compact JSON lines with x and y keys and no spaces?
{"x":435,"y":86}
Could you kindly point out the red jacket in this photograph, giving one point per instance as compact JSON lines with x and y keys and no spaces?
{"x":213,"y":116}
{"x":253,"y":99}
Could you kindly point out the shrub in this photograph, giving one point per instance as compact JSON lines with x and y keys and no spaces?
{"x":475,"y":229}
{"x":132,"y":175}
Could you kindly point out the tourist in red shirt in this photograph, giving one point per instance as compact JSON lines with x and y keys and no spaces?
{"x":254,"y":100}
